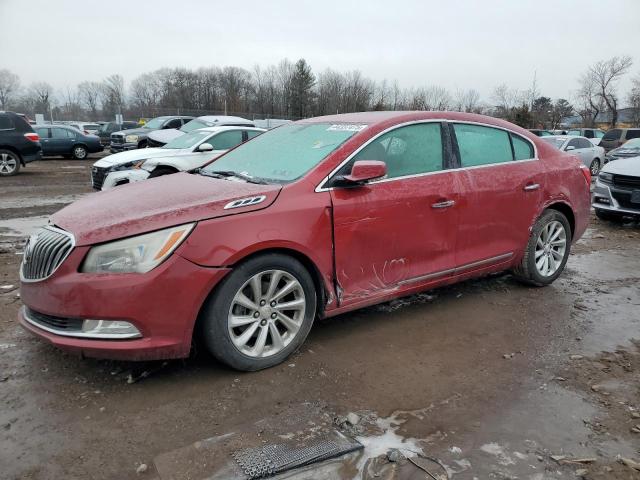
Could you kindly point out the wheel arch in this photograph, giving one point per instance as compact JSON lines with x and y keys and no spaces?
{"x":14,"y":150}
{"x":566,"y":210}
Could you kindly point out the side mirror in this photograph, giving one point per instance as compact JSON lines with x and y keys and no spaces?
{"x":569,"y":148}
{"x":205,"y":147}
{"x":365,"y":170}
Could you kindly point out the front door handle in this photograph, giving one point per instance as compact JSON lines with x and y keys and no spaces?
{"x":443,"y":204}
{"x":531,"y":187}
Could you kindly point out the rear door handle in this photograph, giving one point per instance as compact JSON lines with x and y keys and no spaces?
{"x":443,"y":204}
{"x":531,"y":187}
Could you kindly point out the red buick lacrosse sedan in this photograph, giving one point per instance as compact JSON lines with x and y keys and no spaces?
{"x":306,"y":221}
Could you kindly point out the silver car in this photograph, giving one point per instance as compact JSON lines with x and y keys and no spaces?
{"x":589,"y":154}
{"x":616,"y":193}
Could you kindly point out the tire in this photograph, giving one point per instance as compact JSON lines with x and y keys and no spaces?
{"x":594,"y":168}
{"x":608,"y":216}
{"x":534,"y":273}
{"x":256,"y":320}
{"x":79,"y":152}
{"x":158,"y":172}
{"x":9,"y":163}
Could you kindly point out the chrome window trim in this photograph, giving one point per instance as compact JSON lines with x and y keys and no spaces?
{"x":78,"y":334}
{"x":62,"y":260}
{"x":321,"y":186}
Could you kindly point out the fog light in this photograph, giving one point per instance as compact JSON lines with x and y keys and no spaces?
{"x":603,"y":200}
{"x":109,"y":329}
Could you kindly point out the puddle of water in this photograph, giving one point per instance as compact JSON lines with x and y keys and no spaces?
{"x":605,"y":265}
{"x":21,"y":227}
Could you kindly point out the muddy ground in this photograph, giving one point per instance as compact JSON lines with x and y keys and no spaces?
{"x":490,"y":379}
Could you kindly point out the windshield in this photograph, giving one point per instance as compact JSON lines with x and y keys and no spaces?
{"x":556,"y":142}
{"x":188,"y":140}
{"x":285,"y":153}
{"x":634,"y":143}
{"x":154,"y":123}
{"x":194,"y":125}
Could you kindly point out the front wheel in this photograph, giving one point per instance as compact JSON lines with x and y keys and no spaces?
{"x":261,"y":313}
{"x":547,"y":250}
{"x":9,"y":163}
{"x":79,"y":152}
{"x":595,"y":167}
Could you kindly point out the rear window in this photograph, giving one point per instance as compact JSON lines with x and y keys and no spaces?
{"x":522,"y":149}
{"x":556,"y":142}
{"x":612,"y":134}
{"x":5,"y":122}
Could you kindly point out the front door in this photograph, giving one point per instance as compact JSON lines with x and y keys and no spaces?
{"x":501,"y":194}
{"x":400,"y":230}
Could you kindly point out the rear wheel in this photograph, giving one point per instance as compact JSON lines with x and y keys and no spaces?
{"x":79,"y":152}
{"x":595,"y":166}
{"x":261,"y":313}
{"x":9,"y":163}
{"x":608,"y":216}
{"x":547,"y":250}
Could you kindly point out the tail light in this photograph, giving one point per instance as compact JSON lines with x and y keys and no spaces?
{"x":587,"y":174}
{"x":32,"y":136}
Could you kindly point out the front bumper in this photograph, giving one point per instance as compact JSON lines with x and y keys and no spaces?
{"x":613,"y":199}
{"x":162,"y":304}
{"x":122,"y":177}
{"x":122,"y":147}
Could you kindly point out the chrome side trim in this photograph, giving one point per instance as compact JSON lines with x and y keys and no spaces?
{"x":321,"y":186}
{"x":460,"y":269}
{"x":62,"y":260}
{"x":63,"y":333}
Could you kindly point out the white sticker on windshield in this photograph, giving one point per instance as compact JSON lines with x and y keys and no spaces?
{"x":341,"y":127}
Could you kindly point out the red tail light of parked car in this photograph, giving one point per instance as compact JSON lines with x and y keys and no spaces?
{"x":34,"y":137}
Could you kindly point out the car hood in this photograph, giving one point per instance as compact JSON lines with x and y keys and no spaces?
{"x":154,"y":204}
{"x":138,"y":154}
{"x":166,"y":135}
{"x":624,"y":166}
{"x":625,"y":152}
{"x":135,"y":131}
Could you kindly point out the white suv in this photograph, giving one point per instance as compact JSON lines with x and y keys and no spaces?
{"x":187,"y":152}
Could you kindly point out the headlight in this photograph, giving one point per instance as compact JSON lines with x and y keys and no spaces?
{"x":605,"y":177}
{"x":128,"y":165}
{"x":138,"y":254}
{"x":131,"y":138}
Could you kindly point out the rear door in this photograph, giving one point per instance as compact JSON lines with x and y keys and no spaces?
{"x":45,"y":137}
{"x":61,"y":141}
{"x":400,"y":230}
{"x":501,"y":194}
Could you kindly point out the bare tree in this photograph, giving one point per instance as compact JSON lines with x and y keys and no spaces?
{"x":633,"y":99}
{"x":89,"y":96}
{"x":39,"y":97}
{"x":113,"y":94}
{"x":9,"y":85}
{"x":467,"y":101}
{"x":605,"y":75}
{"x":591,"y":103}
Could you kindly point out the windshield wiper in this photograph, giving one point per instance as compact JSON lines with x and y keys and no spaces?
{"x":231,"y":173}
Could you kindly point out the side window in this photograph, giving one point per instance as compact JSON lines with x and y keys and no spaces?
{"x":226,"y":140}
{"x":573,"y":133}
{"x":58,"y":133}
{"x":588,"y":133}
{"x":522,"y":149}
{"x":42,"y":132}
{"x":5,"y":122}
{"x":480,"y":145}
{"x":252,"y":133}
{"x":407,"y":150}
{"x":575,"y":143}
{"x":584,"y":143}
{"x":599,"y":133}
{"x":175,"y":123}
{"x":633,"y":134}
{"x":612,"y":134}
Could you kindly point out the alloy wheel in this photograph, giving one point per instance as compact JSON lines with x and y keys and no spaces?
{"x":266,"y":313}
{"x":550,"y":248}
{"x":80,"y":153}
{"x":8,"y":163}
{"x":595,"y":167}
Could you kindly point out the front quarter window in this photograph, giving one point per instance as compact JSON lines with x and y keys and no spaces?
{"x":286,"y":153}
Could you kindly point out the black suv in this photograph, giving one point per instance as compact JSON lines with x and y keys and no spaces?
{"x":19,"y":144}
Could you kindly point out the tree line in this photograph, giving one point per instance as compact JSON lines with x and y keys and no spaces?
{"x":292,"y":90}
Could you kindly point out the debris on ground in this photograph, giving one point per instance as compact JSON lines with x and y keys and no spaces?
{"x":142,"y":468}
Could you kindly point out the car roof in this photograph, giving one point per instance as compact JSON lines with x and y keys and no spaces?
{"x":223,"y":118}
{"x":228,"y":127}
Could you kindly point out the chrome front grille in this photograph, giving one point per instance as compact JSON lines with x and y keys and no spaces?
{"x":44,"y":253}
{"x":117,"y":139}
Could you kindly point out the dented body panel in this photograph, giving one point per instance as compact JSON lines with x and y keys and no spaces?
{"x":363,"y":245}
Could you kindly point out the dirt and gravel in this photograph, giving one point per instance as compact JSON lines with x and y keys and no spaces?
{"x":489,"y":379}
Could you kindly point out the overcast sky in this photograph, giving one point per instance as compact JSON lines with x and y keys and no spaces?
{"x":454,"y":43}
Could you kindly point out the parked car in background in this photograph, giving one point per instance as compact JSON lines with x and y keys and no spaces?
{"x":593,"y":134}
{"x":630,"y":148}
{"x":107,"y":128}
{"x":161,"y":137}
{"x":67,"y":141}
{"x":589,"y":154}
{"x":617,"y":137}
{"x":184,"y":153}
{"x":540,"y":133}
{"x":246,"y":254}
{"x":137,"y":137}
{"x":19,"y":144}
{"x":616,"y":194}
{"x":558,"y":132}
{"x":86,"y":128}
